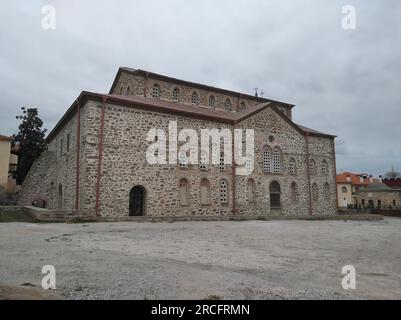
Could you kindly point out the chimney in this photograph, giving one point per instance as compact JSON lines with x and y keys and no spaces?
{"x":361,"y":179}
{"x":348,"y":178}
{"x":370,"y":179}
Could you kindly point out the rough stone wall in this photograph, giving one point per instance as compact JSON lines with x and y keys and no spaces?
{"x":137,"y":86}
{"x":54,"y":169}
{"x":321,"y":149}
{"x":388,"y":200}
{"x":292,"y":145}
{"x":124,"y":166}
{"x":129,"y":84}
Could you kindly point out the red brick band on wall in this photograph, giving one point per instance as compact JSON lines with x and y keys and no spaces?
{"x":308,"y":171}
{"x":335,"y":171}
{"x":99,"y":166}
{"x":78,"y":155}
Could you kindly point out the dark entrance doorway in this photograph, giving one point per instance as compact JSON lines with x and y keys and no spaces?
{"x":137,"y":201}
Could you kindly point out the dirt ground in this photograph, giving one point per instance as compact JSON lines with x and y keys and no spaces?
{"x":201,"y":260}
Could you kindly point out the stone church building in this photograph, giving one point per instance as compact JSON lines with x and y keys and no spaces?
{"x":96,"y":157}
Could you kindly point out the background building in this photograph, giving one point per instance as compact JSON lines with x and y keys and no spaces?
{"x":378,"y":195}
{"x":348,"y":186}
{"x":8,"y":165}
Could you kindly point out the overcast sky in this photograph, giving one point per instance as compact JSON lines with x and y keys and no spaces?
{"x":344,"y":82}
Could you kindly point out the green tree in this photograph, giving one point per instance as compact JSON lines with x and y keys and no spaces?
{"x":30,"y":140}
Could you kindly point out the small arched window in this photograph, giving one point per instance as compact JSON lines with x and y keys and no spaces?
{"x":203,"y":163}
{"x":276,"y":160}
{"x":176,"y":95}
{"x":227,"y":104}
{"x":275,"y":194}
{"x":243,"y":105}
{"x":249,"y":165}
{"x":183,"y":160}
{"x":312,"y":166}
{"x":121,"y":90}
{"x":205,"y":192}
{"x":325,"y":168}
{"x":344,"y":190}
{"x":212,"y":101}
{"x":184,"y":192}
{"x":291,"y":166}
{"x":222,"y":162}
{"x":315,"y":195}
{"x":128,"y":90}
{"x":294,"y":192}
{"x":223,"y":191}
{"x":326,"y":191}
{"x":251,"y":190}
{"x":195,"y":98}
{"x":266,"y":159}
{"x":156,"y":91}
{"x":60,"y":198}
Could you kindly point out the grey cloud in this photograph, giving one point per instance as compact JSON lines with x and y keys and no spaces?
{"x":342,"y":82}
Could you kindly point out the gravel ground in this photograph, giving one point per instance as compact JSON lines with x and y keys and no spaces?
{"x":201,"y":260}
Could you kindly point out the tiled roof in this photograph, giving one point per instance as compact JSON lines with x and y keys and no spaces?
{"x":355,"y":179}
{"x":5,"y":138}
{"x":164,"y":106}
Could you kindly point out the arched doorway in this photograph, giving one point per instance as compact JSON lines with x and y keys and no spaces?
{"x":275,"y":194}
{"x":137,"y":201}
{"x":60,"y":197}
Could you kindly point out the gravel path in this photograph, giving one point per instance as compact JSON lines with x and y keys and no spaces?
{"x":199,"y":260}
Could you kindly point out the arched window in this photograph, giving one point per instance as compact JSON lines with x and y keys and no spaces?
{"x":275,"y":194}
{"x":243,"y":105}
{"x":251,"y":190}
{"x":325,"y":168}
{"x":128,"y":90}
{"x":182,"y":160}
{"x":184,"y":192}
{"x":294,"y":192}
{"x":203,"y":163}
{"x":223,"y":191}
{"x":266,"y":160}
{"x":205,"y":192}
{"x":222,"y":163}
{"x":195,"y":98}
{"x":312,"y":166}
{"x":121,"y":90}
{"x":156,"y":91}
{"x":212,"y":101}
{"x":344,"y":190}
{"x":276,"y":160}
{"x":315,"y":195}
{"x":326,"y":191}
{"x":227,"y":105}
{"x":249,"y":165}
{"x":176,"y":95}
{"x":60,"y":198}
{"x":291,"y":166}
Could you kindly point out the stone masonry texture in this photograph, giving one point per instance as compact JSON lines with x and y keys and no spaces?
{"x":124,"y":166}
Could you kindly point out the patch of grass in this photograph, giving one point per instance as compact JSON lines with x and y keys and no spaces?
{"x":19,"y":216}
